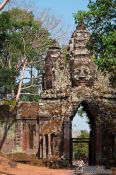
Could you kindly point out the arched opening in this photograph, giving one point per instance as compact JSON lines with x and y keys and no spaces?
{"x":83,"y":135}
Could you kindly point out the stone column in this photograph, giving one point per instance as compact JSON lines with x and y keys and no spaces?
{"x":44,"y":147}
{"x":98,"y":143}
{"x":67,"y":137}
{"x":49,"y":145}
{"x":40,"y":147}
{"x":114,"y":146}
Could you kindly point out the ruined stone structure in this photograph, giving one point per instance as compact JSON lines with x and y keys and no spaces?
{"x":19,"y":131}
{"x":68,"y":83}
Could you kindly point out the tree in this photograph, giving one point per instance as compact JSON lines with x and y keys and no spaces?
{"x":24,"y":43}
{"x":81,"y":149}
{"x":100,"y":21}
{"x":54,"y":25}
{"x":23,"y":46}
{"x":2,"y":5}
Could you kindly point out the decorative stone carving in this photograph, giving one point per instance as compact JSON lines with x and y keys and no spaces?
{"x":80,"y":87}
{"x":56,"y":74}
{"x":81,"y":67}
{"x":67,"y":83}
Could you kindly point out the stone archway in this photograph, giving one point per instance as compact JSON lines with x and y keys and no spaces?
{"x":91,"y":140}
{"x":73,"y":81}
{"x":67,"y":127}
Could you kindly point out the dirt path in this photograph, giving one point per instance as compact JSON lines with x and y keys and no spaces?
{"x":23,"y":169}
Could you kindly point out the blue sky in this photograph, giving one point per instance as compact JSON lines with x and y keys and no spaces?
{"x":62,"y":9}
{"x":80,"y":123}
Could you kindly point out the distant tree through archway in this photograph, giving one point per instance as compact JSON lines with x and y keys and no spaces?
{"x":80,"y":134}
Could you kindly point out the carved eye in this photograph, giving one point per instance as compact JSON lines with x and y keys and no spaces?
{"x":86,"y":71}
{"x":76,"y":74}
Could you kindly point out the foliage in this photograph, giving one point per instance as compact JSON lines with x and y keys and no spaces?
{"x":79,"y":17}
{"x":8,"y":102}
{"x":23,"y":41}
{"x":34,"y":98}
{"x":81,"y":149}
{"x":82,"y":113}
{"x":84,"y":134}
{"x":100,"y":21}
{"x":64,"y":51}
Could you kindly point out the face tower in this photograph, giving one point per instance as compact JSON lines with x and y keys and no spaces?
{"x":81,"y":66}
{"x":56,"y":75}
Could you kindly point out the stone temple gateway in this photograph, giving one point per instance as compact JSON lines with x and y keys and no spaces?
{"x":45,"y":129}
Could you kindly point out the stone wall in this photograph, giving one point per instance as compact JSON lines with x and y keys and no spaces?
{"x":19,"y":131}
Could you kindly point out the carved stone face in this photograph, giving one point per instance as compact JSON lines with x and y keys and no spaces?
{"x":82,"y":74}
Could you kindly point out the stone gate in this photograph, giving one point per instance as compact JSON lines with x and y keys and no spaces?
{"x":68,"y":83}
{"x":44,"y":129}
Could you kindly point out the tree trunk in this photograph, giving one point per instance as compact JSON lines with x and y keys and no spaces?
{"x":21,"y":81}
{"x":2,"y":5}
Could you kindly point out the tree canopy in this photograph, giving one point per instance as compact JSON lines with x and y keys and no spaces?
{"x":81,"y":149}
{"x":100,"y":21}
{"x":23,"y":44}
{"x":24,"y":41}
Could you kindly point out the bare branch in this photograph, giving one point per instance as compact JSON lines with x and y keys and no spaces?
{"x":20,"y":84}
{"x":28,"y":94}
{"x":53,"y":25}
{"x":2,"y":5}
{"x":38,"y":77}
{"x":29,"y":87}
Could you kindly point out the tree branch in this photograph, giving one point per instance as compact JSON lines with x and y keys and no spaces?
{"x":29,"y":87}
{"x":2,"y":5}
{"x":20,"y":84}
{"x":28,"y":94}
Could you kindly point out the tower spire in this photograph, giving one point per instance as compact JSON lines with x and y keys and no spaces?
{"x":81,"y":66}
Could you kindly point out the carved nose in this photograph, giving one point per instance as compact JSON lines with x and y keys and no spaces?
{"x":82,"y":75}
